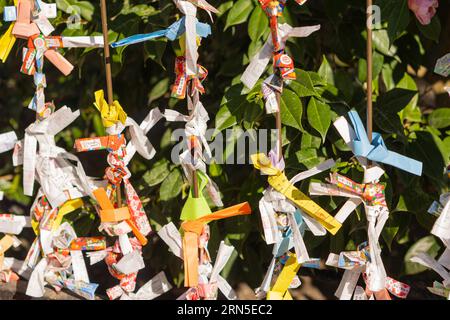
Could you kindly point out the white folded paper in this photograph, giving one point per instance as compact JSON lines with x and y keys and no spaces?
{"x":13,"y":224}
{"x":83,"y":42}
{"x":260,"y":61}
{"x":130,"y":263}
{"x":157,"y":286}
{"x":7,"y":141}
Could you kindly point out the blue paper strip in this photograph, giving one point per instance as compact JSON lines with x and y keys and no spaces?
{"x":377,"y":150}
{"x":287,"y":243}
{"x":137,"y":38}
{"x":174,"y":31}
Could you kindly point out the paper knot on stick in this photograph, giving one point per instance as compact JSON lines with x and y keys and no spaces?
{"x":278,"y":180}
{"x":371,"y":194}
{"x":207,"y":283}
{"x":114,"y":215}
{"x":259,"y":62}
{"x":28,"y":18}
{"x":376,"y":150}
{"x":182,"y":79}
{"x":60,"y":180}
{"x":111,"y":114}
{"x":195,"y":131}
{"x":192,"y":231}
{"x":196,"y":208}
{"x":360,"y":262}
{"x":124,"y":267}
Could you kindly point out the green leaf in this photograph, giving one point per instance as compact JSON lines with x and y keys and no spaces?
{"x":308,"y":157}
{"x":291,"y":110}
{"x":224,"y":7}
{"x":63,"y":5}
{"x":424,"y":149}
{"x":398,"y":18}
{"x":395,"y":100}
{"x":155,"y":50}
{"x":158,"y":173}
{"x":326,"y":72}
{"x":389,"y":123}
{"x":440,"y":118}
{"x":224,"y":119}
{"x":100,"y":130}
{"x":319,"y":116}
{"x":86,"y":8}
{"x":141,"y":10}
{"x":239,"y":13}
{"x":381,"y":42}
{"x":411,"y":112}
{"x":171,"y":186}
{"x":159,"y":90}
{"x":215,"y":170}
{"x":440,"y":144}
{"x":378,"y":60}
{"x":431,"y":31}
{"x":310,"y":141}
{"x":389,"y":232}
{"x":166,"y":139}
{"x":428,"y":245}
{"x":257,"y":24}
{"x":344,"y":82}
{"x":303,"y":85}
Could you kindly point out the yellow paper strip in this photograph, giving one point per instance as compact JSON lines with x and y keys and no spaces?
{"x":278,"y":180}
{"x":6,"y":43}
{"x":280,"y":288}
{"x":66,"y":208}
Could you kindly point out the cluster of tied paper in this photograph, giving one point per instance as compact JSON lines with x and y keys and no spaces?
{"x":56,"y":255}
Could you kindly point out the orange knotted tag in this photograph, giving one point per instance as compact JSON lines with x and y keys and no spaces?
{"x":110,"y":214}
{"x":192,"y":231}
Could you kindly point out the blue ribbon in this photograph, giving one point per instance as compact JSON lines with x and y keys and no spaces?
{"x":173,"y":32}
{"x":377,"y":150}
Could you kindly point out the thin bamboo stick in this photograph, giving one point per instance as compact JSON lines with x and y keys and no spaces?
{"x":369,"y":70}
{"x":108,"y":73}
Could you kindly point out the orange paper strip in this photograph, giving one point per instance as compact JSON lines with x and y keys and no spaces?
{"x":100,"y":143}
{"x":192,"y":231}
{"x":24,"y":28}
{"x":110,"y":214}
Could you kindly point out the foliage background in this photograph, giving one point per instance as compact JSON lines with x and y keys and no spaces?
{"x":411,"y":110}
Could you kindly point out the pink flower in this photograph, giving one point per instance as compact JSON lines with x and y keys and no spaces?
{"x":423,"y":9}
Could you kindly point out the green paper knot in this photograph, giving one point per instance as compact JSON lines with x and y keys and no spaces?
{"x":195,"y":208}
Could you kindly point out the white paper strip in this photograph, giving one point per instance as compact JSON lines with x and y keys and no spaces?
{"x":79,"y":266}
{"x":170,"y":235}
{"x":82,"y":42}
{"x":7,"y":141}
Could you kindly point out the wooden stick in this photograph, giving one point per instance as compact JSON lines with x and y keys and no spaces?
{"x":369,"y":70}
{"x":109,"y":82}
